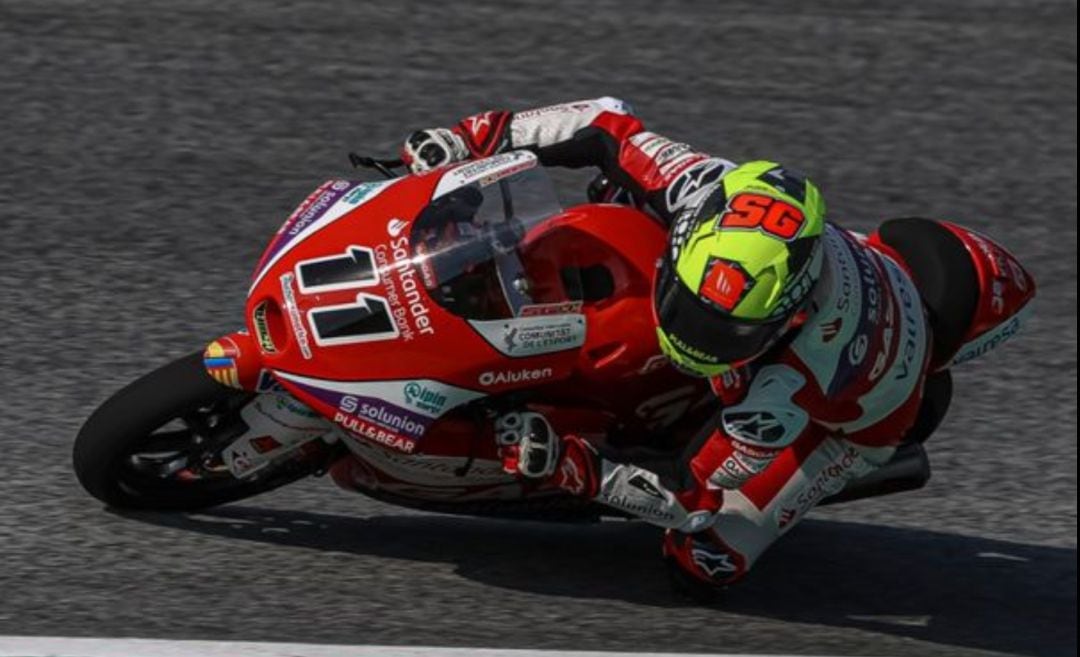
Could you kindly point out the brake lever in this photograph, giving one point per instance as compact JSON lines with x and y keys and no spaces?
{"x":385,"y":167}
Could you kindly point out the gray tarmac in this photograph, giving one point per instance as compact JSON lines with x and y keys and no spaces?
{"x":148,"y":150}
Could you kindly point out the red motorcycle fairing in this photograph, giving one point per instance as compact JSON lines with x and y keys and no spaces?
{"x":344,"y":315}
{"x":1005,"y":292}
{"x":976,"y":293}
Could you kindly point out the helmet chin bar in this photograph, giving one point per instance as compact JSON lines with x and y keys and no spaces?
{"x":794,"y":323}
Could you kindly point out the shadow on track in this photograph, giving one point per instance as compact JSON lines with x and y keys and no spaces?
{"x":942,"y":588}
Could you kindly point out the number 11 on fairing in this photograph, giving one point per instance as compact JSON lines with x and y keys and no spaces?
{"x":366,"y":320}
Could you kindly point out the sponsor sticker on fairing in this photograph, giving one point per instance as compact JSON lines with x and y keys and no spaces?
{"x":267,"y":382}
{"x":370,"y":418}
{"x":262,"y":329}
{"x":993,"y":338}
{"x":395,"y":226}
{"x":300,"y":332}
{"x":420,"y":396}
{"x":362,"y":192}
{"x":277,"y":425}
{"x":395,"y":393}
{"x":530,"y":336}
{"x":380,"y":422}
{"x":508,"y":377}
{"x":324,"y":206}
{"x":484,"y":171}
{"x":402,"y":285}
{"x":393,"y":414}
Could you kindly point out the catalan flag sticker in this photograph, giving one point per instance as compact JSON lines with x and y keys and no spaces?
{"x":220,"y":361}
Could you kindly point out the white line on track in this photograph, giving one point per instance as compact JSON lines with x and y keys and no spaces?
{"x":40,"y":646}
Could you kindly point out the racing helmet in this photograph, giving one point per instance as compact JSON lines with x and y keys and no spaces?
{"x":739,"y":268}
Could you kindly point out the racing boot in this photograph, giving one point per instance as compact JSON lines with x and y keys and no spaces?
{"x":701,"y":565}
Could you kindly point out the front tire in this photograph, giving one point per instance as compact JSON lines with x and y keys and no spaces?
{"x":156,"y":444}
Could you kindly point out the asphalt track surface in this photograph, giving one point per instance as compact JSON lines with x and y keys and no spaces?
{"x":148,"y":150}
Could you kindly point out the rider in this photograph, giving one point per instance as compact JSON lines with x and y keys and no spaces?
{"x":814,"y":337}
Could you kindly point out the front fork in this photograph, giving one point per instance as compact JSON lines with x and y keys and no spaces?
{"x":278,"y":426}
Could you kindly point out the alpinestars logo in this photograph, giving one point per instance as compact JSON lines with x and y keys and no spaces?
{"x":479,"y":122}
{"x":755,"y":427}
{"x":713,"y":562}
{"x":831,"y":329}
{"x":697,"y":182}
{"x":570,"y":478}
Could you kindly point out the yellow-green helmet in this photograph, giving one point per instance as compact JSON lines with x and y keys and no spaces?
{"x":738,"y":268}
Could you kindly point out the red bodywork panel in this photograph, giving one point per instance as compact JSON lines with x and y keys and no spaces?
{"x":1005,"y":290}
{"x":404,"y":392}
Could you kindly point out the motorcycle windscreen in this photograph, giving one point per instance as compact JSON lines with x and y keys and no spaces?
{"x":466,"y":244}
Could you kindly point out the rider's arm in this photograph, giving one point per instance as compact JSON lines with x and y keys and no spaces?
{"x":601,"y":133}
{"x":782,"y":405}
{"x":760,"y":421}
{"x":762,"y":416}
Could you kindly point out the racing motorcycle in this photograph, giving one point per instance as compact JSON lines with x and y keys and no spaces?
{"x":395,"y":330}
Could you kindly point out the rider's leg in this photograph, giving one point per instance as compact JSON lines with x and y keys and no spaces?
{"x":768,"y":506}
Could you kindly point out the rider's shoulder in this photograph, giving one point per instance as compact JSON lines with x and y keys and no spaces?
{"x":768,"y":414}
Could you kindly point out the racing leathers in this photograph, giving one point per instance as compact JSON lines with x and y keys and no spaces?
{"x":828,"y":403}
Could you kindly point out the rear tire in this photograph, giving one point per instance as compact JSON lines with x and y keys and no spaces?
{"x":106,"y":449}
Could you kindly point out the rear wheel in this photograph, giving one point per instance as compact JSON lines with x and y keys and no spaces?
{"x":157,"y":443}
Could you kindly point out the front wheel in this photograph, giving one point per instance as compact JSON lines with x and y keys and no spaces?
{"x":157,"y":443}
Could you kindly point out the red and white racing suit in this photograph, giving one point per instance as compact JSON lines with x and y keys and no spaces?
{"x":831,"y":403}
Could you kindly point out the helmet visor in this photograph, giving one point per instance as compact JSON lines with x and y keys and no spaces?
{"x":703,"y":333}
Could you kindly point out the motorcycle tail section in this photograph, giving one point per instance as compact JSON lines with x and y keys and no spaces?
{"x":976,"y":293}
{"x":1005,"y":293}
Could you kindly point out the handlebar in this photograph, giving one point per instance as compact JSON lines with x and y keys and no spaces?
{"x":384,"y":166}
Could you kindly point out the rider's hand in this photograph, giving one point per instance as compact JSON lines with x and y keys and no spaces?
{"x":532,"y":449}
{"x":426,"y":149}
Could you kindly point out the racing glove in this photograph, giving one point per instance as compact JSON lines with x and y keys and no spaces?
{"x":427,"y":149}
{"x":531,"y":448}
